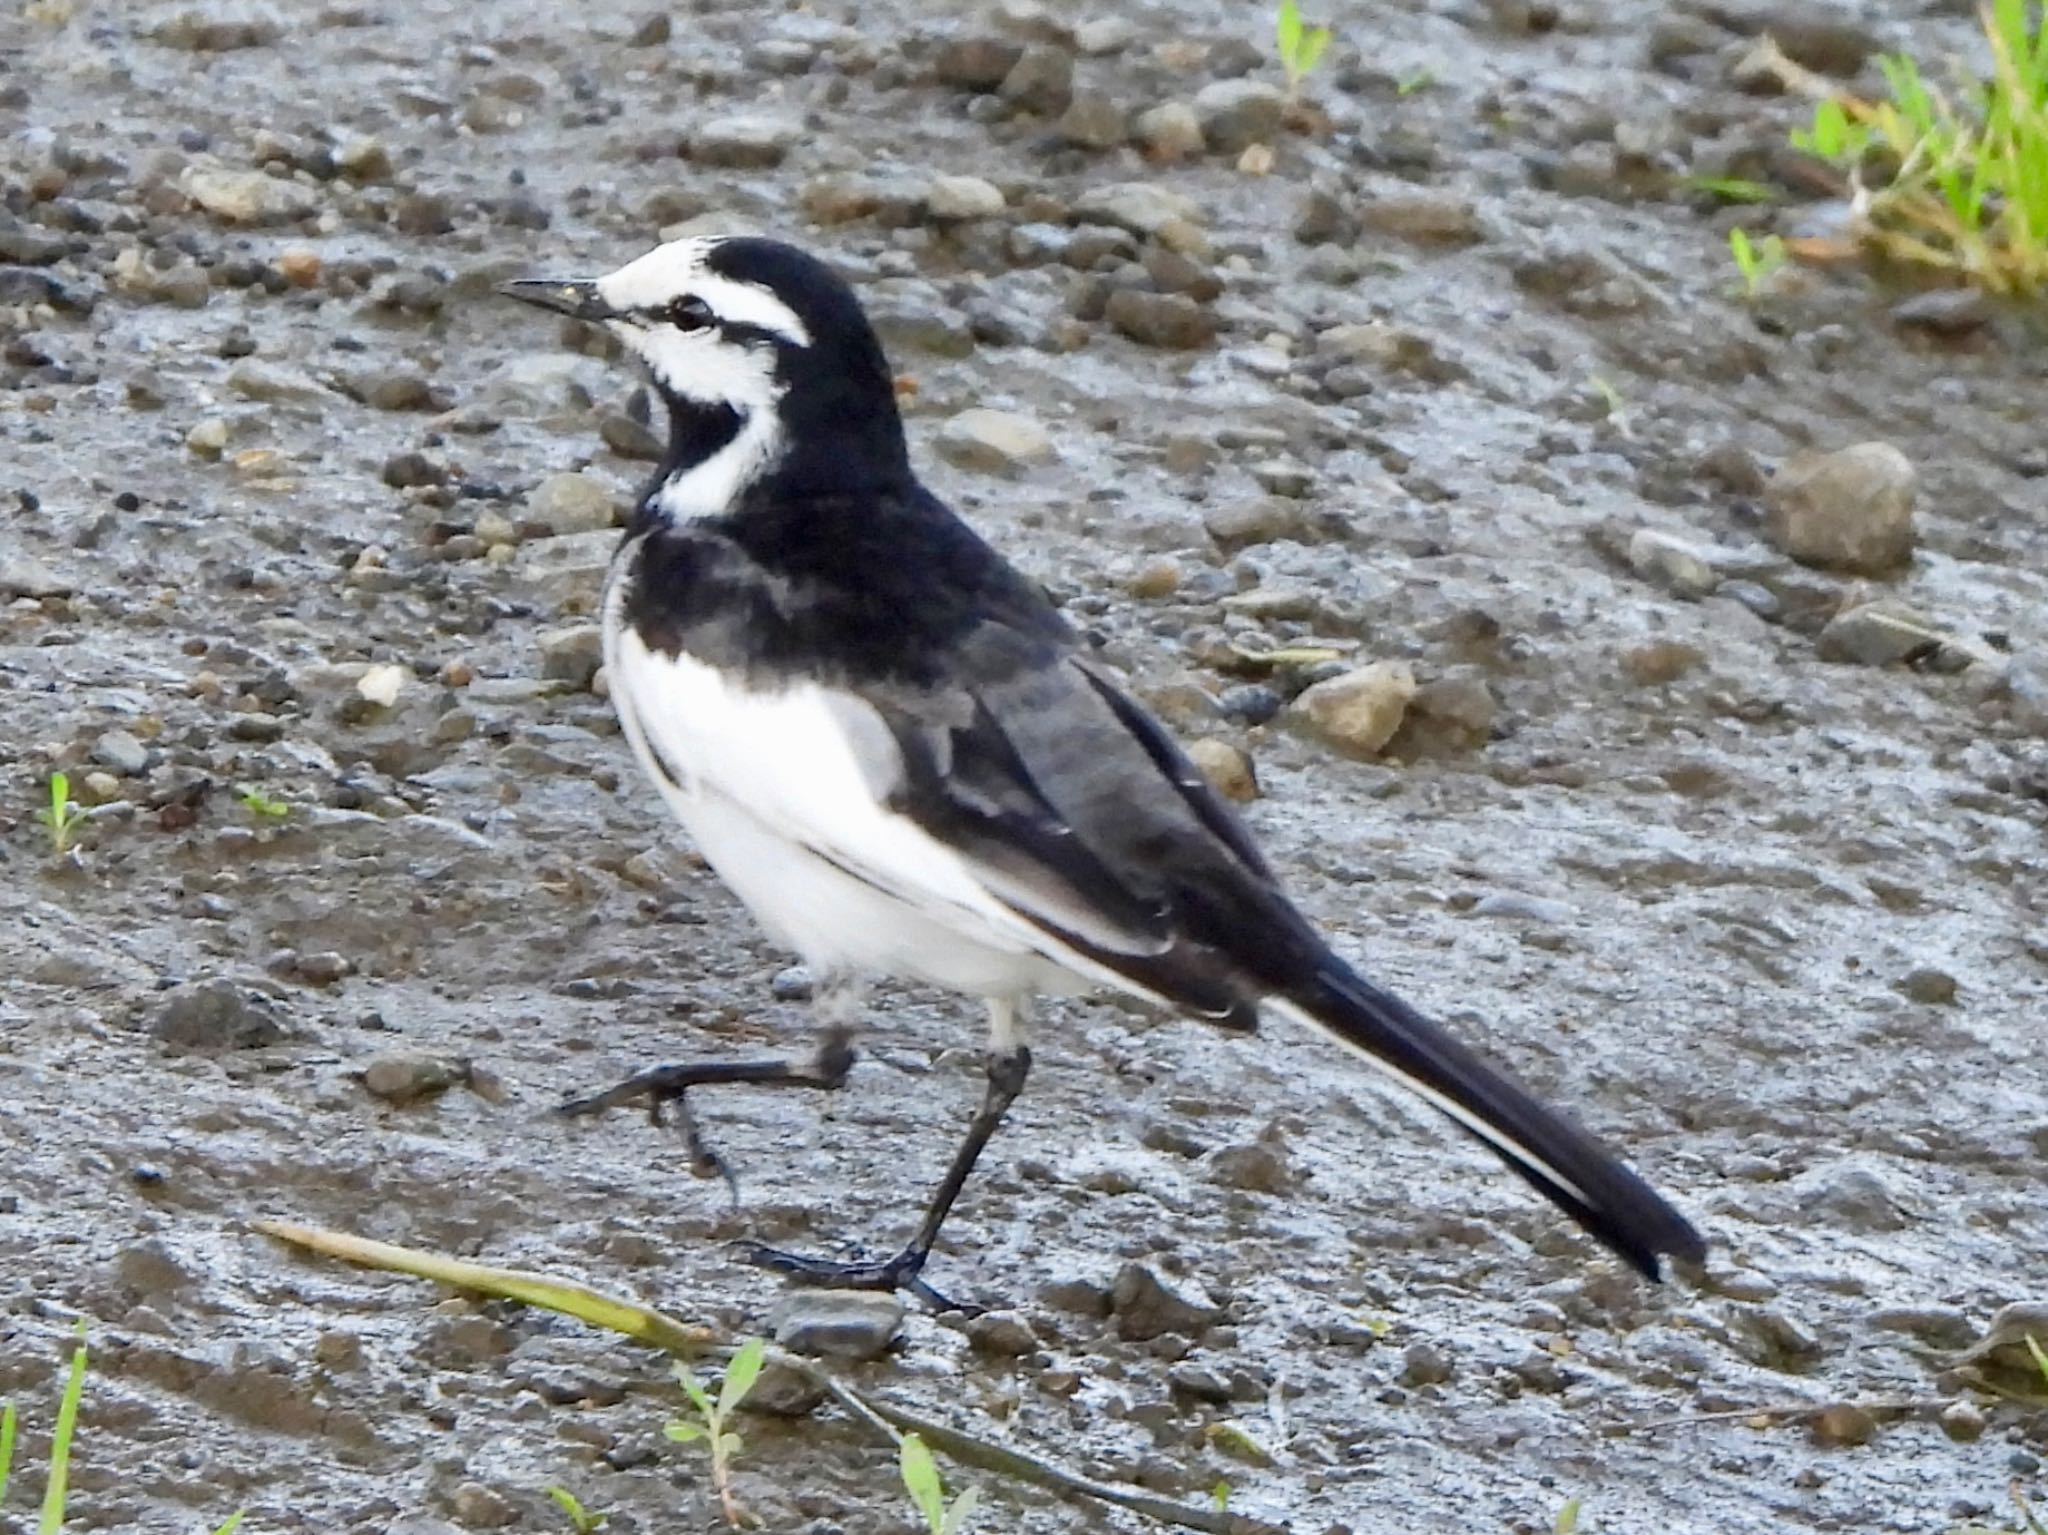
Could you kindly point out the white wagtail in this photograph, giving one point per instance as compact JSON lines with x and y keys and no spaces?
{"x":902,"y":759}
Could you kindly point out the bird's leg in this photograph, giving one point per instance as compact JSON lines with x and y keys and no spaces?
{"x":1008,"y":1064}
{"x":824,"y":1069}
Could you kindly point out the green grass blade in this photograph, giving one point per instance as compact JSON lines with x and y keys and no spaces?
{"x":58,"y":1486}
{"x":232,"y":1523}
{"x":921,"y":1480}
{"x":6,"y":1447}
{"x":1287,"y":33}
{"x":741,"y":1374}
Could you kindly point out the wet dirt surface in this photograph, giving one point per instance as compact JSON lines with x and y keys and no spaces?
{"x":1775,"y":924}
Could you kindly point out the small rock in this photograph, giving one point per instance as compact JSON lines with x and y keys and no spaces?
{"x":792,"y":983}
{"x":977,"y":63}
{"x":1924,"y":983}
{"x":1092,"y":121}
{"x":1944,"y":311}
{"x":1518,"y":905}
{"x":100,"y":788}
{"x":744,"y":141}
{"x":652,"y":32}
{"x":121,"y":752}
{"x":1850,"y":510}
{"x":1426,"y":217}
{"x":1424,"y":1364}
{"x":248,"y":197}
{"x":1146,"y":1306}
{"x":572,"y":654}
{"x":1042,"y":80}
{"x":1082,"y":1297}
{"x":216,"y":1015}
{"x":1671,"y":563}
{"x":273,"y":386}
{"x":423,"y":213}
{"x":381,"y":684}
{"x":478,"y":1507}
{"x":1228,"y":769}
{"x":1963,"y":1421}
{"x":23,"y":575}
{"x":1876,"y":634}
{"x":1842,"y":1426}
{"x":1254,"y":1167}
{"x":837,"y":1324}
{"x":570,"y":503}
{"x":1169,"y":320}
{"x":1851,"y":1196}
{"x":1002,"y":1334}
{"x":993,"y":441}
{"x":1453,"y":713}
{"x":1358,"y":712}
{"x":1236,"y":114}
{"x":2003,"y":1356}
{"x":956,"y":198}
{"x":2026,"y":687}
{"x":209,"y":439}
{"x":1660,"y":661}
{"x":1155,"y":579}
{"x":1171,"y":131}
{"x":407,"y":1079}
{"x":1138,"y":206}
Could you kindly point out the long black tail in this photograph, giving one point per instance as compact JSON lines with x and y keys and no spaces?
{"x":1562,"y":1161}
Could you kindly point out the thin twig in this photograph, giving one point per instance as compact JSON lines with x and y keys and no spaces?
{"x":886,"y":1418}
{"x":1792,"y":1410}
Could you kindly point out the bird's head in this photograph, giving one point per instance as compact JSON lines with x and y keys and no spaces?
{"x":764,"y":359}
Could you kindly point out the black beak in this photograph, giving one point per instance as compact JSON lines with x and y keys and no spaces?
{"x":575,"y":297}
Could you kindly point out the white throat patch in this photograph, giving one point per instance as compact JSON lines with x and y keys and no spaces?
{"x":709,"y":489}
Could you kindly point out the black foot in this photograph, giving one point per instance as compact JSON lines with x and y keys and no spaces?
{"x":659,"y":1089}
{"x":898,"y":1273}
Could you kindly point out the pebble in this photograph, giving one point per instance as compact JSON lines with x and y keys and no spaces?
{"x":993,"y":441}
{"x":1424,"y":1364}
{"x":1236,"y":114}
{"x":209,"y":439}
{"x":1156,"y":579}
{"x":570,"y":503}
{"x":1227,"y":768}
{"x":1002,"y":1335}
{"x":23,"y":575}
{"x":1875,"y":634}
{"x":1842,"y":1426}
{"x":1170,"y":131}
{"x":1660,"y":661}
{"x":1851,"y":1196}
{"x":406,"y":1079}
{"x":1925,"y":983}
{"x":1146,"y":1306}
{"x":979,"y":62}
{"x":744,"y":141}
{"x":1136,"y":206}
{"x":1240,"y":524}
{"x":2026,"y":686}
{"x":958,"y":198}
{"x":1041,"y":81}
{"x":121,"y":751}
{"x":478,"y":1507}
{"x":1453,"y":713}
{"x":1671,"y":563}
{"x":1093,"y":121}
{"x":1358,"y":712}
{"x":100,"y":788}
{"x":216,"y":1014}
{"x":837,"y":1324}
{"x":1425,"y":217}
{"x":247,"y":197}
{"x":572,"y":654}
{"x":1169,"y":320}
{"x":1254,"y":1167}
{"x":1963,"y":1421}
{"x":1850,"y":510}
{"x":1944,"y":311}
{"x":272,"y":385}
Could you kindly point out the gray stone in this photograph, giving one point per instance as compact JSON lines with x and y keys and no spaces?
{"x":1929,"y":984}
{"x":1672,"y":563}
{"x":1241,"y":524}
{"x":572,"y":654}
{"x":1358,"y":712}
{"x":121,"y":751}
{"x":1093,"y":121}
{"x":1850,"y":1195}
{"x":1236,"y":114}
{"x":1170,"y":320}
{"x":1876,"y":634}
{"x":404,"y":1079}
{"x":23,"y":575}
{"x":1254,"y":1167}
{"x":1041,"y":81}
{"x":1002,"y":1334}
{"x":977,"y":63}
{"x":1146,"y":1306}
{"x":744,"y":141}
{"x":271,"y":385}
{"x":1227,"y":768}
{"x":1170,"y":131}
{"x":837,"y":1324}
{"x":216,"y":1015}
{"x":248,"y":197}
{"x":570,"y":503}
{"x":1138,"y":206}
{"x":1424,"y":1364}
{"x":1850,"y":510}
{"x":963,"y":197}
{"x":994,"y":441}
{"x":2026,"y":682}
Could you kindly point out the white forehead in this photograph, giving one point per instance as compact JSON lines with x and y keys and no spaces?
{"x":683,"y":266}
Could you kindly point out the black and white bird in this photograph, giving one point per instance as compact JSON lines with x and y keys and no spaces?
{"x":901,"y":758}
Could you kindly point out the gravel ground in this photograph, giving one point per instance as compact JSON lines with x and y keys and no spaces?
{"x":1738,"y":853}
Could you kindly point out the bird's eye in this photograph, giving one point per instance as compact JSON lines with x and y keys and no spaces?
{"x":690,"y":313}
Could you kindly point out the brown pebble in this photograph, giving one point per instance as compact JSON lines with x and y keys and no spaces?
{"x":1227,"y":768}
{"x":300,"y":266}
{"x":1843,"y":1426}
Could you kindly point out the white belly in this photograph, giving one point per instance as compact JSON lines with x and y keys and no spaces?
{"x":779,"y":791}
